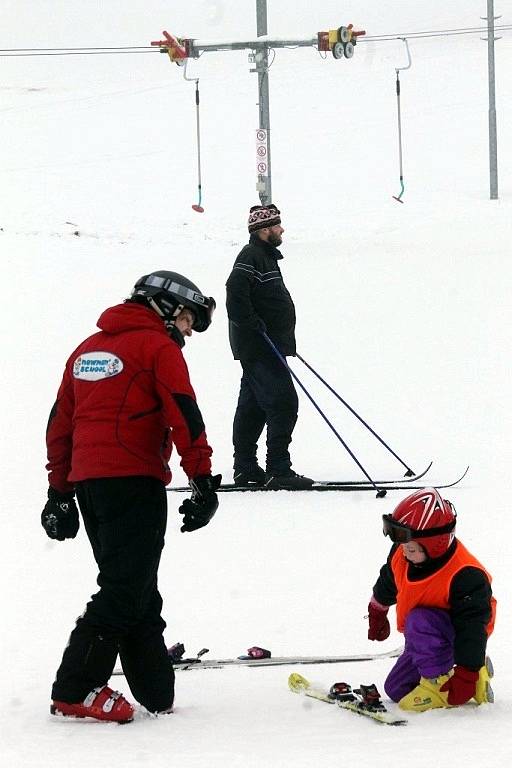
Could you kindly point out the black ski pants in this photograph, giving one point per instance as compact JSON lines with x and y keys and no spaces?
{"x":267,"y":396}
{"x":125,"y":519}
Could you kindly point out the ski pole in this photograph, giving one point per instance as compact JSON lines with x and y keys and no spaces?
{"x":380,"y":491}
{"x":409,"y":472}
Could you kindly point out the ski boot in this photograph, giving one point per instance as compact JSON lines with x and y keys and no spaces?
{"x":249,"y":478}
{"x":287,"y":480}
{"x":101,"y":704}
{"x":426,"y":695}
{"x":484,"y":693}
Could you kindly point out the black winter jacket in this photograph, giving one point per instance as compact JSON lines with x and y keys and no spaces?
{"x":258,"y":300}
{"x":470,"y":603}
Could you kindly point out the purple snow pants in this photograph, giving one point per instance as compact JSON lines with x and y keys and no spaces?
{"x":428,"y":651}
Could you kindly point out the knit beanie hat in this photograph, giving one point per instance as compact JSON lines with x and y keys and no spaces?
{"x":261,"y":216}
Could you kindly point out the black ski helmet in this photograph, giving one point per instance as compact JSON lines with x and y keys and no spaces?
{"x":169,"y":292}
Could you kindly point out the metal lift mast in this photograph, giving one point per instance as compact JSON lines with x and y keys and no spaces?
{"x":340,"y":42}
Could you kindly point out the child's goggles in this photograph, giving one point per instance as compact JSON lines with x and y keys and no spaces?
{"x":401,"y":534}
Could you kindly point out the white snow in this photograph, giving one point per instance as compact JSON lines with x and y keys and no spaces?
{"x":404,"y":309}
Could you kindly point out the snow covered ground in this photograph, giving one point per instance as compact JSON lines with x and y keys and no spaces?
{"x":404,"y":309}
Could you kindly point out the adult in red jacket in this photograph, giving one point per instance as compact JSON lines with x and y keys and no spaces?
{"x":124,"y":400}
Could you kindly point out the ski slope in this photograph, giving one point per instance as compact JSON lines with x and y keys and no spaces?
{"x":403,"y":309}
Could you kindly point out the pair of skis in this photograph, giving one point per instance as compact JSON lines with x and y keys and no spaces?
{"x":199,"y":662}
{"x":404,"y":484}
{"x":364,"y":701}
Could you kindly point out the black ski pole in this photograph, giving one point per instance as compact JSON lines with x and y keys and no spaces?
{"x":409,"y":472}
{"x":381,"y":492}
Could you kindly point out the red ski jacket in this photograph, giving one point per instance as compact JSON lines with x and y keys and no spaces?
{"x":125,"y":398}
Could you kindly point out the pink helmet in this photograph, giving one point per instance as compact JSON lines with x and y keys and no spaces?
{"x":423,"y":511}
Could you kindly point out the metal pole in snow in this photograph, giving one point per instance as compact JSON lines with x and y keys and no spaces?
{"x":493,"y":138}
{"x":261,"y":59}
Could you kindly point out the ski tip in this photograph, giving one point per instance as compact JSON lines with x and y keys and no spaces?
{"x":455,"y":482}
{"x":198,"y":208}
{"x":298,"y":683}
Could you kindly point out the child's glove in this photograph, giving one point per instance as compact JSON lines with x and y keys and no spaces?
{"x":379,"y":628}
{"x":461,"y":686}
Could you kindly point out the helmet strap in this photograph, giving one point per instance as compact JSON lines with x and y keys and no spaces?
{"x":169,"y":322}
{"x":152,"y":303}
{"x":174,"y":333}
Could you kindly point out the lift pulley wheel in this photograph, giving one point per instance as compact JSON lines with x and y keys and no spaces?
{"x":337,"y":50}
{"x":343,"y":35}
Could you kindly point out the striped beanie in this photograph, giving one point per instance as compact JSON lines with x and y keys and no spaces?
{"x":261,"y":216}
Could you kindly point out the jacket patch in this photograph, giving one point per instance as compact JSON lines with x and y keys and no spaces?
{"x":93,"y":366}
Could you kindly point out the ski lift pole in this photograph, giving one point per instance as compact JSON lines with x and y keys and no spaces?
{"x":410,"y":472}
{"x":381,"y":492}
{"x":197,"y":207}
{"x":398,"y":197}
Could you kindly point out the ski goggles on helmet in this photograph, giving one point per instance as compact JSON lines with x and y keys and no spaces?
{"x":402,"y":534}
{"x":204,"y":311}
{"x":183,"y":295}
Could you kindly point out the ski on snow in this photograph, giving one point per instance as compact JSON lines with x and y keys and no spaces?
{"x":363,"y":701}
{"x":198,"y":662}
{"x":335,"y":485}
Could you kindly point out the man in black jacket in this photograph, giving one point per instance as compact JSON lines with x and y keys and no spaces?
{"x":258,"y":303}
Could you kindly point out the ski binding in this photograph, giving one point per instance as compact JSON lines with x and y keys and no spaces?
{"x":364,"y":700}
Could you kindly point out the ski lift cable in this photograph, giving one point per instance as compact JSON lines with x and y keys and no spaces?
{"x":95,"y":50}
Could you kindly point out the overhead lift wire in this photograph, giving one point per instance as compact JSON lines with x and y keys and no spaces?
{"x":98,"y":50}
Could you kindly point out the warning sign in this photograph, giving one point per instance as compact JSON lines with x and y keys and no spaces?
{"x":261,"y":152}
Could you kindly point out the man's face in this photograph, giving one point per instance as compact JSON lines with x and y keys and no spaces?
{"x":274,"y":235}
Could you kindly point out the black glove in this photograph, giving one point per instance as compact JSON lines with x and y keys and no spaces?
{"x":261,"y":327}
{"x":59,"y":518}
{"x":202,"y":505}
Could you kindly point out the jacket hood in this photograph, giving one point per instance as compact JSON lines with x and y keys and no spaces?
{"x":130,"y":317}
